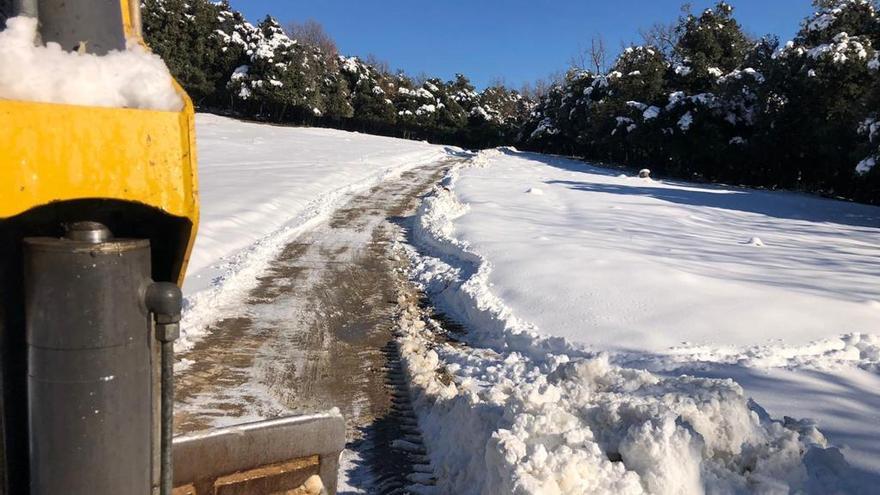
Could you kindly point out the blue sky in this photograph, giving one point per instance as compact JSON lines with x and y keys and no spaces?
{"x":515,"y":40}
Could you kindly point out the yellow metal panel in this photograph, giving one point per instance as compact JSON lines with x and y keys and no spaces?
{"x":51,"y":152}
{"x":127,"y":27}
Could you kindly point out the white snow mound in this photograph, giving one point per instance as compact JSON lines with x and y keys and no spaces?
{"x":133,"y":78}
{"x":517,"y":411}
{"x":508,"y":424}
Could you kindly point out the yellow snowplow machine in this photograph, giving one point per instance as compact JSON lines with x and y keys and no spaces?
{"x":98,"y":215}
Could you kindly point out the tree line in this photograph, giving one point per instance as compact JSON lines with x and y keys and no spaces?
{"x":698,"y":99}
{"x":702,"y":100}
{"x":295,"y":75}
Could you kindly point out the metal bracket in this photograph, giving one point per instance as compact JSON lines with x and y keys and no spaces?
{"x":165,"y":300}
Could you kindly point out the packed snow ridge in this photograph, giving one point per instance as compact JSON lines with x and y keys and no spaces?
{"x":131,"y":78}
{"x":528,"y":409}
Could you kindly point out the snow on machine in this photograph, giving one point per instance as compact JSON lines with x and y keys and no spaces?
{"x":98,"y":215}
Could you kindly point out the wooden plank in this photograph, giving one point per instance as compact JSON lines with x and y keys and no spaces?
{"x":274,"y":478}
{"x":184,"y":490}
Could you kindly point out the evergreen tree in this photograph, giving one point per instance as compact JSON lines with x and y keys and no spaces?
{"x":821,"y":94}
{"x":541,"y":130}
{"x":181,"y":33}
{"x":709,"y":45}
{"x":371,"y":92}
{"x":497,"y":116}
{"x":335,"y":87}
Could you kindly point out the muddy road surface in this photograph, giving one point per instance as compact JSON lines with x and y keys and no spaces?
{"x":316,"y":333}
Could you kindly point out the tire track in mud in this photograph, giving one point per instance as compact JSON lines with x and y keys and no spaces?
{"x":318,"y":332}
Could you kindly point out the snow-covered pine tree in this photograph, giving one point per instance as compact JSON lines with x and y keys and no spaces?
{"x":451,"y":115}
{"x":702,"y":127}
{"x":626,"y":104}
{"x":417,"y":107}
{"x":463,"y":92}
{"x":182,"y":33}
{"x":496,"y":117}
{"x":370,"y":93}
{"x":337,"y":96}
{"x":709,"y":45}
{"x":541,"y":130}
{"x":822,"y":93}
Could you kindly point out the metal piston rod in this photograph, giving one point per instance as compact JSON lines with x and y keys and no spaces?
{"x":165,"y":300}
{"x":25,"y":7}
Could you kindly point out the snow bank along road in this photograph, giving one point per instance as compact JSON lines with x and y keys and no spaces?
{"x":603,"y":316}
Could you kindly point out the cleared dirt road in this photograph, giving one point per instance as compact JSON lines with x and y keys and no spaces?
{"x":316,"y":333}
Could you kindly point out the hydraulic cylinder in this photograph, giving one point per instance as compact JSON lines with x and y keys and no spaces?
{"x":90,"y":382}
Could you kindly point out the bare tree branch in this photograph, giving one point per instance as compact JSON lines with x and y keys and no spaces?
{"x":498,"y":82}
{"x":535,"y":90}
{"x":593,"y":58}
{"x":580,"y":58}
{"x":598,"y":54}
{"x":420,"y":79}
{"x":377,"y":63}
{"x":661,"y":36}
{"x":311,"y":32}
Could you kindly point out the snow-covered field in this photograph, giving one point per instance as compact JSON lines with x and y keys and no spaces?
{"x":606,"y":314}
{"x":261,"y":185}
{"x":573,"y":279}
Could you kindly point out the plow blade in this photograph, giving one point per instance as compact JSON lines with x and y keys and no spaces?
{"x":279,"y":456}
